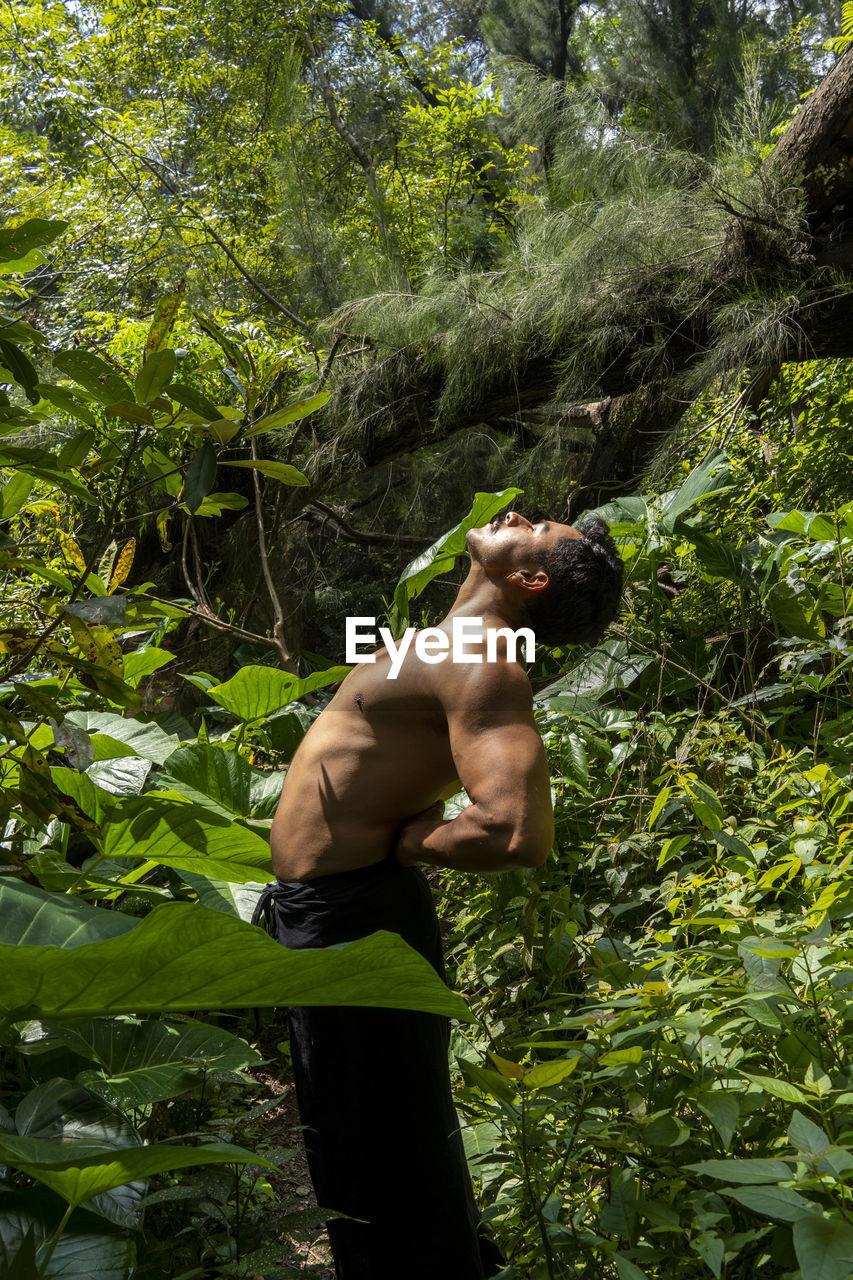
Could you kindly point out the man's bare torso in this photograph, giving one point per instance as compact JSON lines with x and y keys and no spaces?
{"x":379,"y":753}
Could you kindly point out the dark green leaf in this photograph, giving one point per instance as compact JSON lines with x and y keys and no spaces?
{"x":200,"y":477}
{"x":30,"y":917}
{"x":779,"y":1203}
{"x":16,"y":242}
{"x":155,"y":375}
{"x":195,"y":400}
{"x":21,"y":368}
{"x":824,"y":1247}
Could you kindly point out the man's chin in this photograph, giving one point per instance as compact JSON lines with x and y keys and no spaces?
{"x":474,"y":538}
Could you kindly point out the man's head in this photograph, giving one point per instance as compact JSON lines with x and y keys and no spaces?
{"x":567,"y":578}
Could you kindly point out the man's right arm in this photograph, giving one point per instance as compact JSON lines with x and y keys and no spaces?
{"x":501,"y":763}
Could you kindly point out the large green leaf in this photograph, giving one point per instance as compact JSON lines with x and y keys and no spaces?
{"x":237,"y":900}
{"x":824,"y":1248}
{"x":746,"y":1171}
{"x":29,"y":917}
{"x":83,"y":1124}
{"x":143,"y":662}
{"x":709,"y":477}
{"x":81,"y":1253}
{"x":14,"y":494}
{"x":231,"y":348}
{"x":200,"y":477}
{"x":223,"y":775}
{"x":21,"y":368}
{"x":43,"y":465}
{"x":166,"y":828}
{"x":154,"y":375}
{"x":796,"y":611}
{"x":145,"y":739}
{"x":78,"y":1178}
{"x":70,"y":1114}
{"x":609,"y":666}
{"x":811,"y":524}
{"x":69,"y":402}
{"x":779,"y":1203}
{"x":183,"y":957}
{"x":282,"y":417}
{"x":255,"y":692}
{"x":17,"y":242}
{"x":194,"y":400}
{"x":147,"y":1060}
{"x":720,"y":559}
{"x":442,"y":555}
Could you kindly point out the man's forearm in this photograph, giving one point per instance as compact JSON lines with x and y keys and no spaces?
{"x":474,"y":842}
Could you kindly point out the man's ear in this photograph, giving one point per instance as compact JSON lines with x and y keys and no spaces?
{"x":529,"y":579}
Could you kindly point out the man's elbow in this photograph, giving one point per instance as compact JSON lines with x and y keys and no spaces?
{"x":531,"y":849}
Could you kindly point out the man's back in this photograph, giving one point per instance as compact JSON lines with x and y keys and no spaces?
{"x":379,"y":753}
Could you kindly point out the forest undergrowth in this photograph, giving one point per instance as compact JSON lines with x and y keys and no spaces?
{"x":206,"y":240}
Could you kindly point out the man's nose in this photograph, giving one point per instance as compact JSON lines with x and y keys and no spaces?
{"x":513,"y":518}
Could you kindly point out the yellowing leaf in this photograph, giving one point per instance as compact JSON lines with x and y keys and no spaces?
{"x":619,"y":1057}
{"x":71,"y":551}
{"x":123,"y":564}
{"x":97,"y":645}
{"x":509,"y":1070}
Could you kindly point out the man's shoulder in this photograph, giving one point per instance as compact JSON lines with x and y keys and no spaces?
{"x":485,"y":677}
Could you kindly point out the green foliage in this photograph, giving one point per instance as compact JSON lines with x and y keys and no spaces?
{"x":660,"y":1084}
{"x":108,"y":817}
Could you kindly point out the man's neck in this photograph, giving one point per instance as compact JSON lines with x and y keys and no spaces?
{"x":480,"y":597}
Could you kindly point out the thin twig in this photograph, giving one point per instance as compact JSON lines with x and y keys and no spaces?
{"x":278,"y":613}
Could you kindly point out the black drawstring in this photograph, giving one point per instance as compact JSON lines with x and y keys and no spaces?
{"x":263,"y":912}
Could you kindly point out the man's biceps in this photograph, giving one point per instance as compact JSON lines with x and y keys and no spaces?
{"x":498,"y":757}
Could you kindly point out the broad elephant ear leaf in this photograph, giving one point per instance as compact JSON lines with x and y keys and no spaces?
{"x":78,"y":1178}
{"x":164,"y":827}
{"x":30,"y":917}
{"x":30,"y":1216}
{"x":442,"y":555}
{"x":256,"y":692}
{"x":221,"y":774}
{"x":183,"y":957}
{"x":140,"y":1061}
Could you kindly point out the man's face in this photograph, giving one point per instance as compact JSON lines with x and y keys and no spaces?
{"x":511,"y":542}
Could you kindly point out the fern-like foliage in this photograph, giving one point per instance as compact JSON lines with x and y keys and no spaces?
{"x":620,"y":246}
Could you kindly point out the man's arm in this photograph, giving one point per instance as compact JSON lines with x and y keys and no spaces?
{"x":501,"y":763}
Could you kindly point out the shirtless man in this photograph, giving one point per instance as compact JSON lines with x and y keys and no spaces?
{"x":359,"y":809}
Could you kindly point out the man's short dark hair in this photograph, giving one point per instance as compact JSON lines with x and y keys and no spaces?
{"x":584,"y":587}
